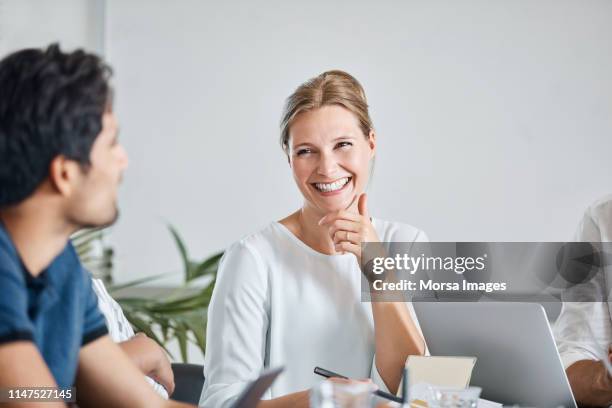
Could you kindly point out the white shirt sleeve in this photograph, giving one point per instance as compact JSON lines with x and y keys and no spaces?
{"x":237,"y":327}
{"x":119,"y":328}
{"x":584,"y":329}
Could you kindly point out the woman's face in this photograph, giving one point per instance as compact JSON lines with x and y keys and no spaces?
{"x":330,"y":157}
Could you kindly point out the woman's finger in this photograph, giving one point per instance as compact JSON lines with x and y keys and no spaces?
{"x":343,"y":225}
{"x":339,"y":380}
{"x":340,"y":215}
{"x":349,"y":236}
{"x":346,"y":246}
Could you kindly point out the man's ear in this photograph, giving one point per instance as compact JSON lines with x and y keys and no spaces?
{"x":63,"y":174}
{"x":372,"y":142}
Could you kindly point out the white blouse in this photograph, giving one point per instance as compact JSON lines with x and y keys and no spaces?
{"x":278,"y":302}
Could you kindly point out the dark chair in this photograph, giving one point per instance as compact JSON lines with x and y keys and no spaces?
{"x":188,"y":382}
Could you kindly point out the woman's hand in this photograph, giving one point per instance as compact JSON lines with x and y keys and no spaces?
{"x":348,"y":230}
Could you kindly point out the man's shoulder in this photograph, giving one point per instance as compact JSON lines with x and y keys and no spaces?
{"x":10,"y":265}
{"x":66,"y":272}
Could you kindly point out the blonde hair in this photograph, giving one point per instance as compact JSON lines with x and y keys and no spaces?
{"x":330,"y":88}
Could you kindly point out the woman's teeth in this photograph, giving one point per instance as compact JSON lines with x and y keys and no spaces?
{"x":336,"y":185}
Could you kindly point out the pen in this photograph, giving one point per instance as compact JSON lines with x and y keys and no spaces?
{"x":329,"y":374}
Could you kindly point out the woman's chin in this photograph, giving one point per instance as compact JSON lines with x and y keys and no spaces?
{"x":329,"y":206}
{"x":335,"y":201}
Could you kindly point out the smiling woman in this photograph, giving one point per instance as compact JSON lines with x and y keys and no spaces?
{"x":291,"y":294}
{"x":327,"y":150}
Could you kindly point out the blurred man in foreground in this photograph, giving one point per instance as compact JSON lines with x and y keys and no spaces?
{"x":60,"y":167}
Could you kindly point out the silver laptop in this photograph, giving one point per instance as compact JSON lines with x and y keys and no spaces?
{"x":518,"y":361}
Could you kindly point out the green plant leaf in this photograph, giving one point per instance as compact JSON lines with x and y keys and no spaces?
{"x":145,"y":327}
{"x":178,"y":308}
{"x":181,"y":337}
{"x":86,"y":235}
{"x":206,"y":267}
{"x":165,"y":328}
{"x":136,"y":282}
{"x":83,"y":240}
{"x":181,"y":247}
{"x":207,"y":292}
{"x":197,"y":326}
{"x":180,"y":315}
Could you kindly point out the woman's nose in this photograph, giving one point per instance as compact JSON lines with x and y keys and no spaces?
{"x":328,"y":165}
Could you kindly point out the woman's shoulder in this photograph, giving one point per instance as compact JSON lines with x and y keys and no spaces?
{"x":245,"y":262}
{"x":259,"y":243}
{"x":393,"y":231}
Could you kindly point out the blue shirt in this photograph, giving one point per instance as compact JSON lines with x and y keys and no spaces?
{"x":57,"y":310}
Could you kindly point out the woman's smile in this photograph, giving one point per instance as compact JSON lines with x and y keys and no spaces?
{"x":332,"y":188}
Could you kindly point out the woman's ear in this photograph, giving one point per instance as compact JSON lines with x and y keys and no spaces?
{"x":372,"y":142}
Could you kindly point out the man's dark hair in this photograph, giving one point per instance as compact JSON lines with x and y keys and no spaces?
{"x":51,"y":104}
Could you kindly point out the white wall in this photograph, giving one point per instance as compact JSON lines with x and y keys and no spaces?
{"x":494,"y":118}
{"x":37,"y":23}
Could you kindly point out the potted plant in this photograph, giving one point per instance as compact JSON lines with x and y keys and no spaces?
{"x":179,"y":315}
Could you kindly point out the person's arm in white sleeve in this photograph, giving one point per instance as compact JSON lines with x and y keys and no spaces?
{"x":148,"y":356}
{"x":238,"y":319}
{"x":584,"y":331}
{"x":237,"y":325}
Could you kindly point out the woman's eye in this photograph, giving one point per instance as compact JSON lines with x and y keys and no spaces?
{"x":302,"y":152}
{"x":344,"y":144}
